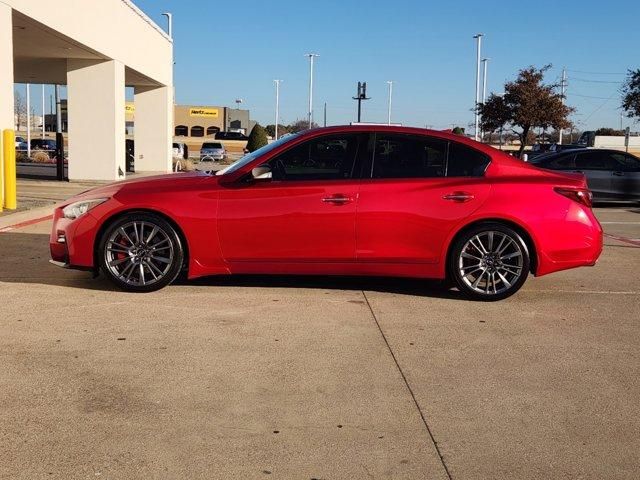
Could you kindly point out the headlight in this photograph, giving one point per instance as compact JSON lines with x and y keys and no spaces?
{"x":75,"y":210}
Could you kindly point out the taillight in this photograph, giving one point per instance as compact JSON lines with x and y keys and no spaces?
{"x":580,"y":195}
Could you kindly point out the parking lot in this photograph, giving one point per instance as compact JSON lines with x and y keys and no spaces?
{"x":325,"y":378}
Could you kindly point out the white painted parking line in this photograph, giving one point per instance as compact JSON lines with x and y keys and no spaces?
{"x":619,"y":223}
{"x":607,"y":292}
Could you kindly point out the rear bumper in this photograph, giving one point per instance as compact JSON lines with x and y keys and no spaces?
{"x":576,"y":241}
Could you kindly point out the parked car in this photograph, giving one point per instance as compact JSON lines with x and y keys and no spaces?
{"x":231,"y":136}
{"x":561,"y":147}
{"x":21,"y":143}
{"x":362,"y":200}
{"x":612,"y":175}
{"x":212,"y":151}
{"x":43,"y":144}
{"x":180,"y":150}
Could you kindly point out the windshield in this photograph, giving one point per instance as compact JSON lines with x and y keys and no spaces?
{"x":249,"y":157}
{"x":211,"y":145}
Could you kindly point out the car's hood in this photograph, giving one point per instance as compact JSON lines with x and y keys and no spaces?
{"x":164,"y":182}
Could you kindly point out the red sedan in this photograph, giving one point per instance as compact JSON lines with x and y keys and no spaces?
{"x":359,"y":200}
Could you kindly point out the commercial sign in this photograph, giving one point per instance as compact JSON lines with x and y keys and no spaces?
{"x":129,"y":108}
{"x":203,"y":112}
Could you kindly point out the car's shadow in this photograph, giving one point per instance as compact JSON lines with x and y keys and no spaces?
{"x":397,"y":285}
{"x":24,"y":258}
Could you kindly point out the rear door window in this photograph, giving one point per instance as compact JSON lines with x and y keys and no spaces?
{"x":594,"y":161}
{"x":409,"y":156}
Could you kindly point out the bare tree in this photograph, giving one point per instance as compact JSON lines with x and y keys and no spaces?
{"x":20,"y":109}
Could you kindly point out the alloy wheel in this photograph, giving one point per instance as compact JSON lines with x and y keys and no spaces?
{"x":491,"y":262}
{"x":139,"y":253}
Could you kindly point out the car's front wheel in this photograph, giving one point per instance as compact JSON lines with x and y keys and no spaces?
{"x":489,"y":262}
{"x":140,"y":252}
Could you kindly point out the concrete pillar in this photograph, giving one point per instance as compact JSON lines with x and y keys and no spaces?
{"x":96,"y":120}
{"x":6,"y":68}
{"x":153,"y":128}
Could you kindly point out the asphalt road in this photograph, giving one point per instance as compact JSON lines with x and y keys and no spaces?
{"x":302,"y":378}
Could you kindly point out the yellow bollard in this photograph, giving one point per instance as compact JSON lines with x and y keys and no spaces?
{"x":1,"y":175}
{"x":9,"y":160}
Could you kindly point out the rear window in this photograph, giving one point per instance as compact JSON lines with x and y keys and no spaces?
{"x":560,"y":162}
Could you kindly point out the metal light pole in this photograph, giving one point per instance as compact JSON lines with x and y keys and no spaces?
{"x":43,"y":111}
{"x":562,"y":90}
{"x":390,"y":83}
{"x":169,"y":24}
{"x":478,"y":38}
{"x":485,"y":63}
{"x":28,"y":86}
{"x":310,"y":114}
{"x":277,"y":82}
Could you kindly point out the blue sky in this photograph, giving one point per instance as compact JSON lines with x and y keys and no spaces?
{"x":226,"y":50}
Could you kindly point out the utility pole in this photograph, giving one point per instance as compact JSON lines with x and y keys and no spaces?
{"x":563,"y":85}
{"x":390,"y":83}
{"x":277,"y":82}
{"x":311,"y":56}
{"x":325,"y":114}
{"x":362,"y":95}
{"x":478,"y":38}
{"x":485,"y":64}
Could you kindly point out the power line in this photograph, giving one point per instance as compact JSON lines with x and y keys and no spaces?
{"x":595,"y":73}
{"x":593,"y":81}
{"x":587,"y":96}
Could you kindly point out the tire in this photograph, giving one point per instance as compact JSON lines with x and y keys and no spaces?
{"x":140,"y":252}
{"x":489,"y":262}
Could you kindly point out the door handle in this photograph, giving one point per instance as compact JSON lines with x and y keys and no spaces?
{"x":618,"y":174}
{"x":338,"y":199}
{"x":459,"y":197}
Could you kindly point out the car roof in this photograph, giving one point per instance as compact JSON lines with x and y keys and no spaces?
{"x":573,"y":151}
{"x":444,"y":134}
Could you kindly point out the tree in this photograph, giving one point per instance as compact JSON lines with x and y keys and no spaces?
{"x":631,"y":94}
{"x":527,"y":104}
{"x":458,"y":130}
{"x":271,"y":130}
{"x":257,"y":138}
{"x":301,"y":125}
{"x":20,"y":109}
{"x":611,"y":132}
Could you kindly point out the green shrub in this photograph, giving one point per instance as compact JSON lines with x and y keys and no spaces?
{"x":257,"y":138}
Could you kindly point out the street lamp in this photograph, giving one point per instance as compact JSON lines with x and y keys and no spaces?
{"x":277,"y":82}
{"x":310,"y":114}
{"x":478,"y":38}
{"x":169,"y":24}
{"x":485,"y":63}
{"x":390,"y":83}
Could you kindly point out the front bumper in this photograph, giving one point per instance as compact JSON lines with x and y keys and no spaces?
{"x":71,"y":241}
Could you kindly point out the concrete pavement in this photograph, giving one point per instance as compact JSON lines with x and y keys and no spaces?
{"x":290,"y":377}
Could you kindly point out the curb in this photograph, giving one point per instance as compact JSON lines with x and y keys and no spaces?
{"x":24,"y":219}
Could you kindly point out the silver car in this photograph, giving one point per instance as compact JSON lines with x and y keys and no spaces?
{"x":212,"y":151}
{"x":612,"y":175}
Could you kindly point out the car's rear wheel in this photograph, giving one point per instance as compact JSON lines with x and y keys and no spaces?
{"x":489,"y":262}
{"x":140,"y":252}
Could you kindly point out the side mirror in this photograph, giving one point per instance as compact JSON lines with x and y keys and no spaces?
{"x":261,"y":172}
